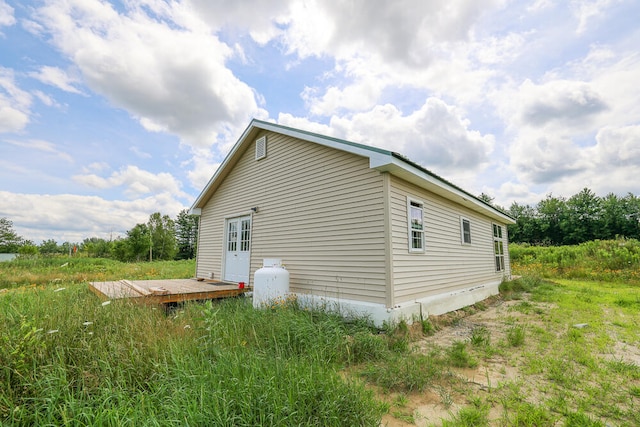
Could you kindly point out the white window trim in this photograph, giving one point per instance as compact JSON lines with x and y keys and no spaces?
{"x":502,"y":266}
{"x":462,"y":220}
{"x":410,"y":230}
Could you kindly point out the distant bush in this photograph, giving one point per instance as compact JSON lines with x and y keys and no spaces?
{"x":595,"y":260}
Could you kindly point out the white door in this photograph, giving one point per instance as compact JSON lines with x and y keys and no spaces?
{"x":237,"y":245}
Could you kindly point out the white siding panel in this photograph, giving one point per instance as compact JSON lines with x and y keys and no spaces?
{"x":319,"y":209}
{"x":447,"y":264}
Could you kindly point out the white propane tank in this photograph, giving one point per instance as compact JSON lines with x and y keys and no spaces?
{"x":270,"y":282}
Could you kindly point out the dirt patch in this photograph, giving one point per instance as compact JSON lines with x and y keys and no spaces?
{"x":495,"y":372}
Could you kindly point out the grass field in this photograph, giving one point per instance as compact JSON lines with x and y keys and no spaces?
{"x":553,"y":349}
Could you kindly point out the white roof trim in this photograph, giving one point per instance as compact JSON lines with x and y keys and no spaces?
{"x":412,"y":174}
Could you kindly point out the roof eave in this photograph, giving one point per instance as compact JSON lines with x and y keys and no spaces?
{"x":418,"y":176}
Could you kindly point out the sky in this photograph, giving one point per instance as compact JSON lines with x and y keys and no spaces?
{"x":110,"y":111}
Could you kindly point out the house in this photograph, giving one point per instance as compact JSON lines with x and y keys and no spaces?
{"x":355,"y":225}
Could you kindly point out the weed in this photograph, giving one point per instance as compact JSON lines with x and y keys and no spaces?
{"x":459,"y":357}
{"x":480,"y":337}
{"x":401,"y":400}
{"x":366,"y":346}
{"x":470,"y":416}
{"x":580,"y":419}
{"x":528,"y":415}
{"x":445,"y":397}
{"x":427,"y":327}
{"x":407,"y":418}
{"x":515,"y":336}
{"x":403,"y":373}
{"x":629,"y":370}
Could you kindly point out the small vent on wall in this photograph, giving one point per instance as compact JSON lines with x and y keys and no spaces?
{"x":261,"y":148}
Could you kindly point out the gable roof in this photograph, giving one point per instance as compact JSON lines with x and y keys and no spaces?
{"x":379,"y":159}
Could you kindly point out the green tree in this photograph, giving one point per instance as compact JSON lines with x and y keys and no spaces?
{"x":527,"y":226}
{"x":631,"y":224}
{"x":583,"y":211}
{"x":552,"y":212}
{"x":28,"y":250}
{"x":134,"y":247}
{"x":96,"y":247}
{"x":138,"y":243}
{"x":10,"y":242}
{"x":186,"y":230}
{"x":163,"y":237}
{"x":612,"y":217}
{"x":49,"y":247}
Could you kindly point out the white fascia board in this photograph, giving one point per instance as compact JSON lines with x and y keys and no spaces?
{"x":416,"y":176}
{"x":195,"y":211}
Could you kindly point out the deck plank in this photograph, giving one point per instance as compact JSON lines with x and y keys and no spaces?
{"x":178,"y":290}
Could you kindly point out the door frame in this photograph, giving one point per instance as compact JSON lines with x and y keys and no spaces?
{"x":225,"y":231}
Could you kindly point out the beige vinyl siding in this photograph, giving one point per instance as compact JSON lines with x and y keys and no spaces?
{"x":446,"y":264}
{"x":320,"y":210}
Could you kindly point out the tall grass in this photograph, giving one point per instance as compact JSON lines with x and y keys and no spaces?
{"x":606,"y":260}
{"x":52,"y":270}
{"x":67,"y":359}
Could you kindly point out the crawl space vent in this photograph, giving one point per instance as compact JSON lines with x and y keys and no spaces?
{"x":261,"y":148}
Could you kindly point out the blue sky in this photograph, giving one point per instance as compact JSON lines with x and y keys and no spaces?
{"x":110,"y":111}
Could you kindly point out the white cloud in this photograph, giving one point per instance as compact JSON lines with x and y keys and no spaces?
{"x":580,"y":121}
{"x":45,"y":99}
{"x":14,"y":103}
{"x":41,"y":146}
{"x":306,"y":124}
{"x":202,"y":168}
{"x":360,"y":96}
{"x":96,"y":167}
{"x":544,"y":159}
{"x":381,"y":48}
{"x":403,"y":32}
{"x":6,"y":15}
{"x":586,"y":11}
{"x":158,"y":61}
{"x":56,"y":77}
{"x":222,"y":13}
{"x":67,"y":217}
{"x":136,"y":182}
{"x":618,"y":147}
{"x":436,"y":135}
{"x":559,"y":102}
{"x":138,"y":152}
{"x":510,"y":191}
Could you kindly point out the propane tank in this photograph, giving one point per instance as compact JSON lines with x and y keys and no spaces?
{"x":271,"y":282}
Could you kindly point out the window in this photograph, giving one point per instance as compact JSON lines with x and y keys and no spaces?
{"x":465,"y":230}
{"x":498,"y":247}
{"x":232,"y":237}
{"x":416,"y":226}
{"x":261,"y":148}
{"x":245,"y":234}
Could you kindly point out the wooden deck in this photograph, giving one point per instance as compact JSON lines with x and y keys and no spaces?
{"x":165,"y":291}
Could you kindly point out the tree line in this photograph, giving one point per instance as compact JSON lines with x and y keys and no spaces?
{"x":160,"y":238}
{"x":580,"y":218}
{"x":552,"y":221}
